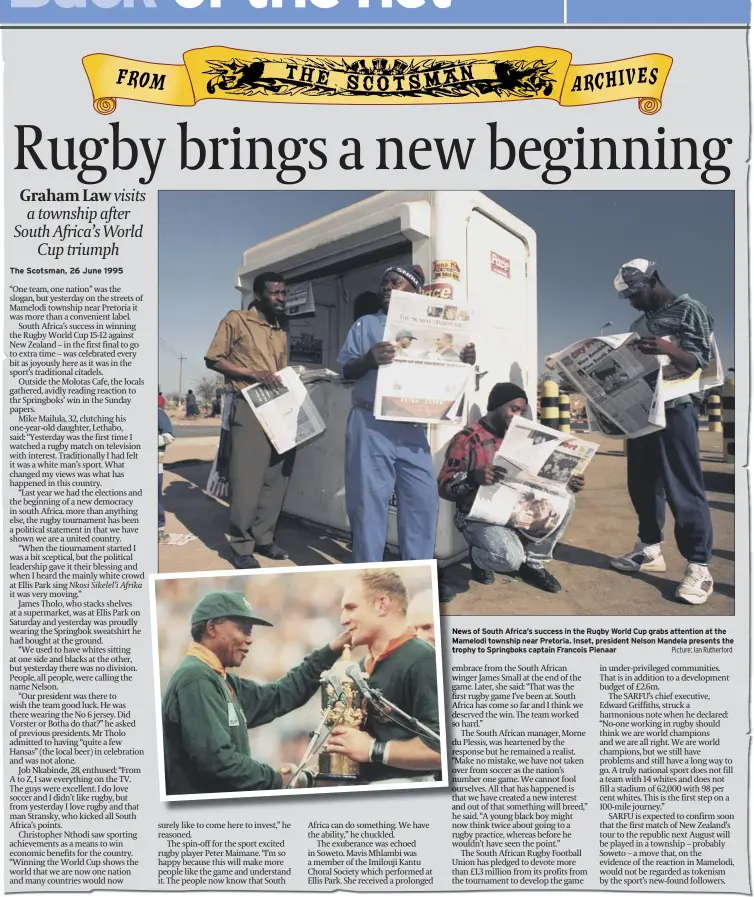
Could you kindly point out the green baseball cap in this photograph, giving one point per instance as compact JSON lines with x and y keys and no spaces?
{"x":225,"y":604}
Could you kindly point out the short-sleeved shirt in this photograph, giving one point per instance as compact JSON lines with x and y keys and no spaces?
{"x":408,"y":678}
{"x":689,"y":322}
{"x":247,"y":339}
{"x":365,"y":333}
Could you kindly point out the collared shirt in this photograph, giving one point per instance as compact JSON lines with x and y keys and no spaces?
{"x":471,"y":449}
{"x":363,"y":335}
{"x":195,"y":649}
{"x":406,"y":676}
{"x":247,"y":339}
{"x":408,"y":633}
{"x":689,"y":322}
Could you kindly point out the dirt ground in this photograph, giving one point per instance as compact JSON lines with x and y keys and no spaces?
{"x":603,"y":525}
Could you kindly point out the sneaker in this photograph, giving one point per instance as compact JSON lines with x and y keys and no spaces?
{"x":643,"y":559}
{"x":696,"y":585}
{"x":539,"y":578}
{"x":162,"y":537}
{"x":479,"y":574}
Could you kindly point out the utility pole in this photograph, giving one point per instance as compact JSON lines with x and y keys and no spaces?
{"x":181,"y":359}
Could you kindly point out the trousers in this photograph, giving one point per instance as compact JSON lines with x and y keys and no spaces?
{"x":258,"y":478}
{"x":501,"y":549}
{"x":665,"y":467}
{"x":382,"y":456}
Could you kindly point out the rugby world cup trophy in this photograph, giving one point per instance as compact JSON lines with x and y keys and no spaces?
{"x":340,"y":707}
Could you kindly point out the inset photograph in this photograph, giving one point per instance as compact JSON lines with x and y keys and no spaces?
{"x":280,"y":681}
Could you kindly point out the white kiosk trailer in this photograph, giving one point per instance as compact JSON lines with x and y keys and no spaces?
{"x":472,"y":251}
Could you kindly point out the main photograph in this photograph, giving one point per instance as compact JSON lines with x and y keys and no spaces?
{"x":534,"y":388}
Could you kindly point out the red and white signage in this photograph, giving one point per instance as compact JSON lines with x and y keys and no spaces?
{"x":499,"y":264}
{"x":443,"y":291}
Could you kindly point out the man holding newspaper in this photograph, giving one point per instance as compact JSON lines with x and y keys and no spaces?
{"x":386,"y":455}
{"x":251,"y":346}
{"x":665,"y":465}
{"x":642,"y":386}
{"x":512,"y":482}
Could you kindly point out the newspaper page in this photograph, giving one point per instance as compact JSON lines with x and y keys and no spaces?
{"x":626,"y":387}
{"x":676,"y":384}
{"x":286,"y":411}
{"x":532,"y":467}
{"x":231,"y":671}
{"x":427,"y":380}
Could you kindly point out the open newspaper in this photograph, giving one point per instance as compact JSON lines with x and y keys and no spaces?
{"x":286,"y":412}
{"x":532,"y":468}
{"x":427,"y":381}
{"x":625,"y":389}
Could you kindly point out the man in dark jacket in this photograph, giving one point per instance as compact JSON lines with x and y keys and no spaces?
{"x":207,"y":710}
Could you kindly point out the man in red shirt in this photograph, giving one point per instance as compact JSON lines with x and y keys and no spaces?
{"x":494,"y":548}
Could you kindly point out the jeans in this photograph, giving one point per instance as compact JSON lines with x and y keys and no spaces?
{"x":665,"y":467}
{"x":501,"y":549}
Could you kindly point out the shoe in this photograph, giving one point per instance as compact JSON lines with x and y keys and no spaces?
{"x":696,"y":585}
{"x":479,"y":574}
{"x":162,"y":537}
{"x":539,"y":578}
{"x":643,"y":559}
{"x":272,"y":551}
{"x":244,"y":561}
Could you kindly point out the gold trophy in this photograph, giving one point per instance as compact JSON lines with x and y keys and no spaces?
{"x":341,"y":705}
{"x":337,"y":767}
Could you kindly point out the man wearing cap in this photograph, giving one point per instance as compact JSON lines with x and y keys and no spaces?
{"x":664,"y":466}
{"x":383,"y":456}
{"x":404,"y":669}
{"x":403,"y":344}
{"x":251,"y":346}
{"x":206,"y":710}
{"x":494,"y":548}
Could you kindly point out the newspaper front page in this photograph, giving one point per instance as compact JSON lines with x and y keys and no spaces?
{"x":427,"y":381}
{"x":285,"y":410}
{"x":239,"y":672}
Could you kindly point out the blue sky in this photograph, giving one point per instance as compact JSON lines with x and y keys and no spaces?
{"x":583,"y":236}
